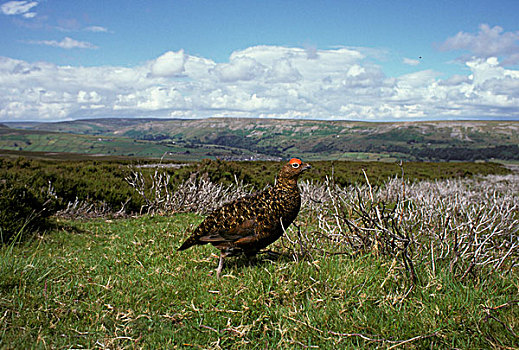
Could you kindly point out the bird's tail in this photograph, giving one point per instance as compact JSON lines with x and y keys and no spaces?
{"x":188,"y":243}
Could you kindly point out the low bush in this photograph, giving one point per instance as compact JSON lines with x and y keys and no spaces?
{"x":458,"y":225}
{"x":22,"y":211}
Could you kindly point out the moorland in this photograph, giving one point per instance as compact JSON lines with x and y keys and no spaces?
{"x":401,"y":250}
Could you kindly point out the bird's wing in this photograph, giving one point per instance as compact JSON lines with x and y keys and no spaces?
{"x":231,"y":234}
{"x":231,"y":222}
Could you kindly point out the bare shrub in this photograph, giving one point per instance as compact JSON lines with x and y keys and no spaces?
{"x":466,"y":223}
{"x":193,"y":195}
{"x":457,"y":224}
{"x":88,"y":209}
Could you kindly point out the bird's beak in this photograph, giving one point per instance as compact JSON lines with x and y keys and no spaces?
{"x":306,"y":167}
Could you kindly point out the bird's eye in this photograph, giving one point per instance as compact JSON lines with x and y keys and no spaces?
{"x":295,"y":165}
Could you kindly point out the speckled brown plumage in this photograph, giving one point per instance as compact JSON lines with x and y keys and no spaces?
{"x":251,"y":223}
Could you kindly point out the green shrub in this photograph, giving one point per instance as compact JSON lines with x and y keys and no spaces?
{"x":21,"y":210}
{"x":86,"y":181}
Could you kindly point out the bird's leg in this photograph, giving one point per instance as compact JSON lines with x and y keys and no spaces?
{"x":220,"y":265}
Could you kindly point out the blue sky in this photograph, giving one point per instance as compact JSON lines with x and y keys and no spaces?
{"x":362,"y":60}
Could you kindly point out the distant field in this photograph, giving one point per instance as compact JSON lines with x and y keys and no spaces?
{"x":267,"y":139}
{"x":54,"y":142}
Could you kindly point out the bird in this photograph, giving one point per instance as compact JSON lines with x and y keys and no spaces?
{"x":250,"y":223}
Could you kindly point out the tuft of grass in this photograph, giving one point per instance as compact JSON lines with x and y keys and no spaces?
{"x":121,"y":284}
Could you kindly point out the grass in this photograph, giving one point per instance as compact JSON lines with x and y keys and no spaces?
{"x":121,"y":284}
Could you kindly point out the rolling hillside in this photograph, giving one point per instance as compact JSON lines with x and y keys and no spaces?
{"x":50,"y":142}
{"x":244,"y":138}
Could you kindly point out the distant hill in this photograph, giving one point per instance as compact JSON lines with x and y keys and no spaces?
{"x":248,"y":138}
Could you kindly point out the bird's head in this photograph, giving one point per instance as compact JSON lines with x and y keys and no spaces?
{"x":293,"y":169}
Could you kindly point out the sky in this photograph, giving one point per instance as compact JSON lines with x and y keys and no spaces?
{"x":332,"y":60}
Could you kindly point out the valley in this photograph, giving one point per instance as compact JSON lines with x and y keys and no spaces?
{"x":269,"y":139}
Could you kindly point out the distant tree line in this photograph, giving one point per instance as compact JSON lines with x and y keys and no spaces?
{"x":448,"y":153}
{"x":505,"y":152}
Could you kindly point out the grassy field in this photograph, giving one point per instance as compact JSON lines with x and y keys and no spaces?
{"x":343,"y":279}
{"x":65,"y":143}
{"x":121,"y":284}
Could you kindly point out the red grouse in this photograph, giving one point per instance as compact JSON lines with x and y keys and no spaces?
{"x":251,"y":223}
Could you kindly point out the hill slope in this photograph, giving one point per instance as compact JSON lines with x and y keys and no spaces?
{"x":247,"y":138}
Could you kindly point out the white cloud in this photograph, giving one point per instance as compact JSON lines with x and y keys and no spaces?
{"x":488,"y":42}
{"x":88,"y":97}
{"x":283,"y":72}
{"x":239,"y":68}
{"x":96,"y":29}
{"x":410,"y":61}
{"x":169,"y":64}
{"x":262,"y":81}
{"x":29,"y":15}
{"x":66,"y":43}
{"x":12,"y":8}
